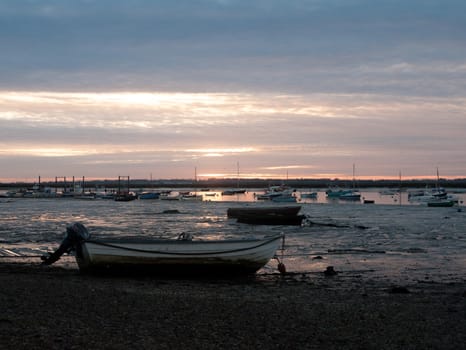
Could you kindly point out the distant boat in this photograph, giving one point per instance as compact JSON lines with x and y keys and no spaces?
{"x":233,"y":192}
{"x":441,"y":203}
{"x":284,"y":198}
{"x":171,"y":196}
{"x":350,"y":196}
{"x":124,"y":196}
{"x":345,"y":194}
{"x":308,"y":195}
{"x":275,"y":191}
{"x":427,"y":194}
{"x":388,"y":192}
{"x":437,"y":194}
{"x":192,"y":197}
{"x":267,"y":196}
{"x":85,"y":196}
{"x":149,"y":195}
{"x":336,"y":192}
{"x":106,"y":195}
{"x":184,"y":256}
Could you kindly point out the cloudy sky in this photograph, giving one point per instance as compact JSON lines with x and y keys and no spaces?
{"x":102,"y":88}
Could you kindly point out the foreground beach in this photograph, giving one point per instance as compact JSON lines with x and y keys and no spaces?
{"x":57,"y":308}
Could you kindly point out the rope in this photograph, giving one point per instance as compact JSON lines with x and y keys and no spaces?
{"x":281,"y":266}
{"x":182,"y":253}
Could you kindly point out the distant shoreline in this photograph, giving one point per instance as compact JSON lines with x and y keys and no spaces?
{"x":246,"y":183}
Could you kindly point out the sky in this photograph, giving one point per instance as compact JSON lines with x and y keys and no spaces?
{"x":216,"y":88}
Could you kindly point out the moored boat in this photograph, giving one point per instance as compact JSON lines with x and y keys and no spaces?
{"x":336,"y":192}
{"x":264,"y":210}
{"x":149,"y":195}
{"x":271,"y":219}
{"x":184,"y":256}
{"x":350,"y":196}
{"x":441,"y":203}
{"x":233,"y":192}
{"x":308,"y":195}
{"x":284,"y":199}
{"x":124,"y":197}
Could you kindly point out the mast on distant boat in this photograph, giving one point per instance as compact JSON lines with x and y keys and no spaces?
{"x":399,"y":190}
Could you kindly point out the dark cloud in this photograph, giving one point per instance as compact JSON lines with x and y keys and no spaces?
{"x":226,"y":45}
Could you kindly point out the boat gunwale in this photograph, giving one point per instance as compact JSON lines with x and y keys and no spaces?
{"x":261,"y":242}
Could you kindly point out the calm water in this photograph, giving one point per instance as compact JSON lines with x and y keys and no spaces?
{"x":396,"y":242}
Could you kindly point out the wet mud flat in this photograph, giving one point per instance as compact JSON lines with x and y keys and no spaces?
{"x":58,"y":308}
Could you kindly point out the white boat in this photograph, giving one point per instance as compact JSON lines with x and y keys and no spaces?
{"x":427,"y":195}
{"x":275,"y":191}
{"x":167,"y":256}
{"x":192,"y":197}
{"x":434,"y":195}
{"x":344,"y":194}
{"x":336,"y":192}
{"x":351,"y":196}
{"x":171,"y":196}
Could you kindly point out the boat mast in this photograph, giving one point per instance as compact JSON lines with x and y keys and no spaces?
{"x":399,"y":190}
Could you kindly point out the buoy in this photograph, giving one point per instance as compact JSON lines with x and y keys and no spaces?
{"x":282,"y":268}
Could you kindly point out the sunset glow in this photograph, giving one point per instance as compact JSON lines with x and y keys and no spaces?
{"x":336,"y":86}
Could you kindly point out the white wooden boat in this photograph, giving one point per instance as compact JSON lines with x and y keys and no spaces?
{"x":164,"y":256}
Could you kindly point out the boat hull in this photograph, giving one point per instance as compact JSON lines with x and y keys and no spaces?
{"x":271,"y":219}
{"x":177,"y":257}
{"x":278,"y":210}
{"x":149,"y":195}
{"x":441,"y":204}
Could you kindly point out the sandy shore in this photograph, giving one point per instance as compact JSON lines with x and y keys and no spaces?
{"x":56,"y":308}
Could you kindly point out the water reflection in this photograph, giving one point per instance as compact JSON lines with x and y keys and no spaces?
{"x":376,"y":196}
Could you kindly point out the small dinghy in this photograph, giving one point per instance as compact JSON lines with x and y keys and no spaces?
{"x":165,"y":256}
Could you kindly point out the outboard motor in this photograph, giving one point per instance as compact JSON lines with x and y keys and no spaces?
{"x":75,"y":234}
